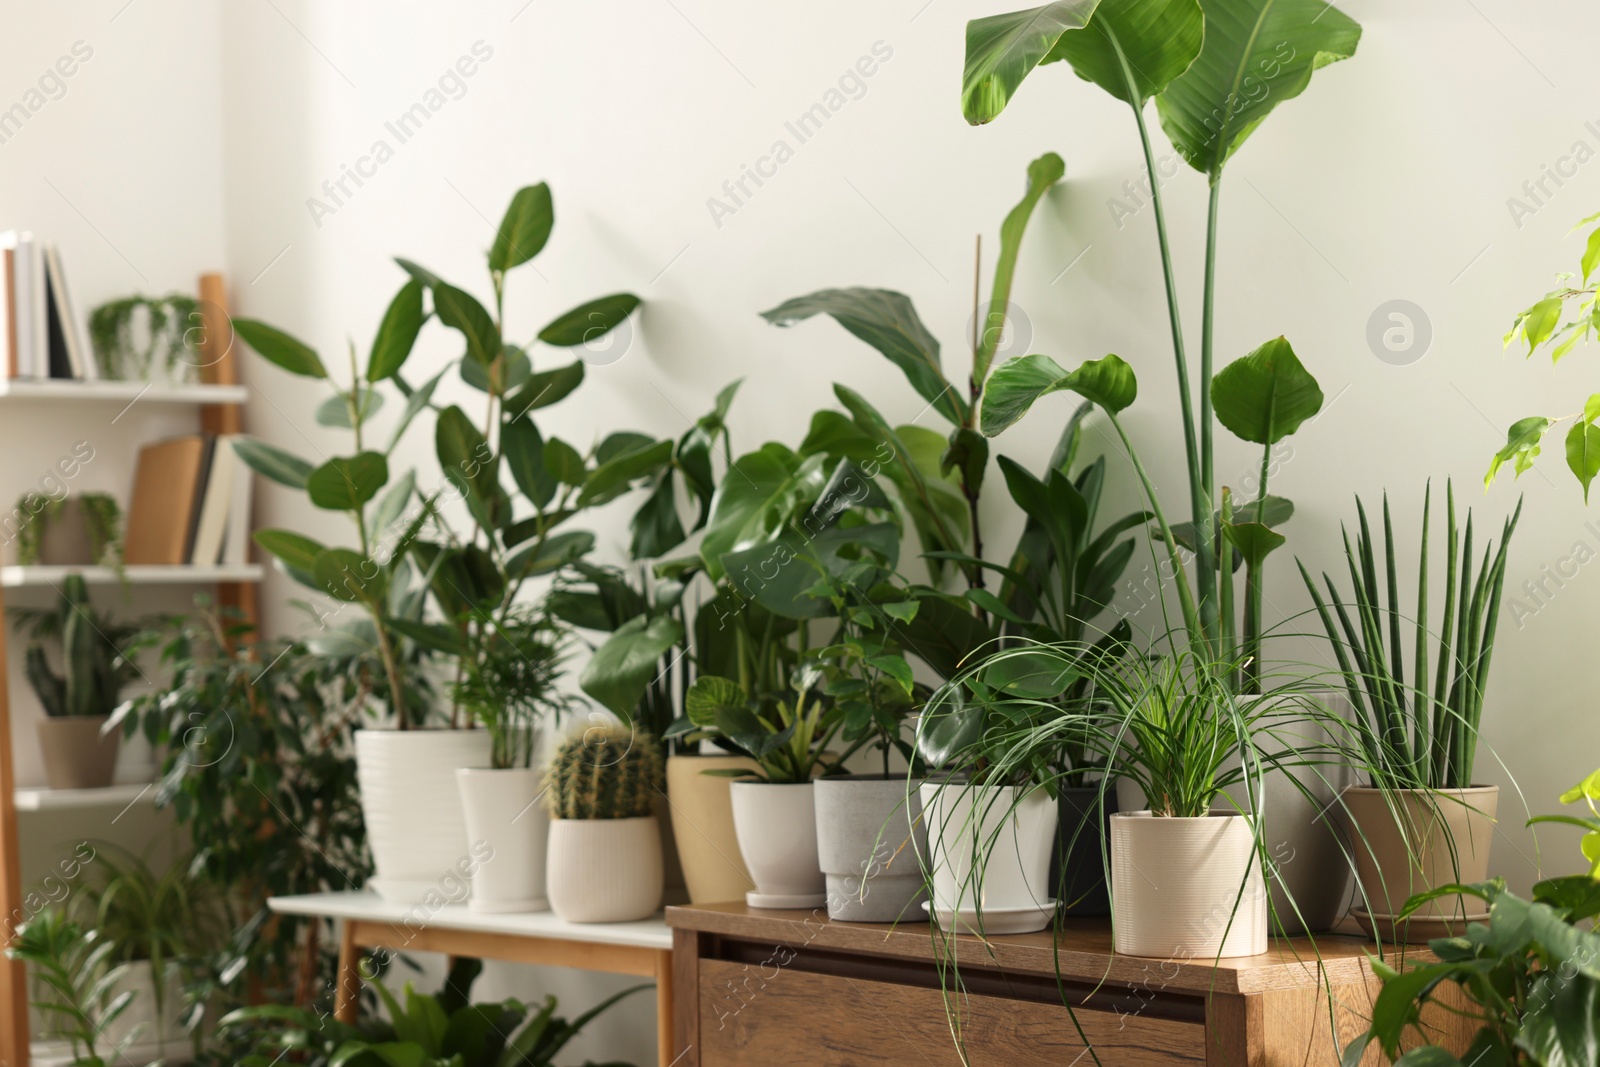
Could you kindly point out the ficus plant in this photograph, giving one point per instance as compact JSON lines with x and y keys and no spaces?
{"x":1540,"y":326}
{"x":1216,"y":70}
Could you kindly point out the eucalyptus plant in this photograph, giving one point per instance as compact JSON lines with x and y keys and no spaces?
{"x":1540,"y":326}
{"x":1421,"y":733}
{"x":1216,"y":69}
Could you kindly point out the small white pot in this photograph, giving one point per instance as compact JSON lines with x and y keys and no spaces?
{"x":776,"y":825}
{"x":412,"y":808}
{"x":990,"y":855}
{"x":604,"y":870}
{"x":1176,"y":887}
{"x":504,"y":814}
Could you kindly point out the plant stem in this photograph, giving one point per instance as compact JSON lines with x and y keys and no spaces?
{"x":1206,"y":553}
{"x":1185,"y":595}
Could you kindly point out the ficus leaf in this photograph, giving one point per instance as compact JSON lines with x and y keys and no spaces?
{"x":1521,"y":447}
{"x":525,"y":228}
{"x":277,"y":347}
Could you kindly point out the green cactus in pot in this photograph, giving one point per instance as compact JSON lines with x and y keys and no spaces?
{"x":606,"y":772}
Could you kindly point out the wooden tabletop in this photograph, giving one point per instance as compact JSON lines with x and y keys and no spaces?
{"x":1082,"y":952}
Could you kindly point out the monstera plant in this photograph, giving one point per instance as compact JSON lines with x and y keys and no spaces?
{"x":1216,"y":69}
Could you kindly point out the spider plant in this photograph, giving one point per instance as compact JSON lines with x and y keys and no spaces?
{"x":1421,"y":733}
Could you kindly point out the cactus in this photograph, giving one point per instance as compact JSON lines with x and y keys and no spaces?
{"x":605,"y":773}
{"x":94,"y":668}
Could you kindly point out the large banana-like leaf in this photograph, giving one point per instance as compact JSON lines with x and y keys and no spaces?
{"x":1011,"y":391}
{"x":1004,"y":49}
{"x":1134,"y":48}
{"x":1042,"y":174}
{"x":1265,"y":396}
{"x":887,"y":321}
{"x":1256,"y":55}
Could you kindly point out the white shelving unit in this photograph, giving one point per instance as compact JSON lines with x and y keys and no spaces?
{"x":121,"y":392}
{"x":116,"y":796}
{"x":39,"y":576}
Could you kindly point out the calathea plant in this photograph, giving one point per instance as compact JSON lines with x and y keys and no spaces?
{"x":1216,"y":69}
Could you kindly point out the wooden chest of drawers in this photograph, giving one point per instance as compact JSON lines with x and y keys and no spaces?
{"x":754,"y":988}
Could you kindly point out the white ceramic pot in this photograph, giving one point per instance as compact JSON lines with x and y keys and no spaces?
{"x":504,"y":813}
{"x":1186,"y":888}
{"x":412,"y":807}
{"x":776,"y":825}
{"x":990,"y":856}
{"x":604,"y":870}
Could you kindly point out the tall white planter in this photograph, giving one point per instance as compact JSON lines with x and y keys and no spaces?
{"x":1186,"y":888}
{"x":990,"y":856}
{"x":412,"y":807}
{"x":604,"y":870}
{"x":503,"y":811}
{"x":776,"y":825}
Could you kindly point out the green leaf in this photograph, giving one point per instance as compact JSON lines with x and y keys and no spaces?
{"x":1253,"y":540}
{"x":968,"y":452}
{"x":564,"y":463}
{"x":546,"y":388}
{"x":349,"y":576}
{"x":1583,"y":453}
{"x":1591,"y":255}
{"x":780,"y":574}
{"x":272,"y":462}
{"x":589,"y":322}
{"x":1563,"y":1030}
{"x":758,"y":496}
{"x":656,"y":527}
{"x":1003,"y":49}
{"x":554,"y":553}
{"x":1013,"y":388}
{"x":622,"y":668}
{"x":397,"y":334}
{"x":294,"y":549}
{"x":335,"y":411}
{"x":513,"y":369}
{"x":419,"y":399}
{"x":1030,"y":673}
{"x":346,"y":483}
{"x":1266,"y":395}
{"x":464,"y":455}
{"x":461,"y":311}
{"x":949,"y":727}
{"x":1256,"y":54}
{"x":1522,"y":445}
{"x":1540,"y":321}
{"x":887,"y":321}
{"x":523,"y":448}
{"x":1042,"y":174}
{"x":711,"y":695}
{"x":1158,"y":38}
{"x":525,"y":228}
{"x":617,"y":474}
{"x":278,"y":347}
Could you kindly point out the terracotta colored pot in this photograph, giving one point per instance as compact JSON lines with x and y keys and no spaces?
{"x":76,"y":755}
{"x":702,"y":827}
{"x":1408,"y":841}
{"x":1186,"y":888}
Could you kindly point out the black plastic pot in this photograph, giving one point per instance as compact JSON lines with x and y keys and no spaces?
{"x":1083,"y":826}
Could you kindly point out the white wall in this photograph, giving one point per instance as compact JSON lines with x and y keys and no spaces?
{"x":1388,"y":180}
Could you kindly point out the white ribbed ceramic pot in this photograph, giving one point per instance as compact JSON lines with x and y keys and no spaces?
{"x":990,"y":848}
{"x":604,"y":870}
{"x":1186,"y":888}
{"x":412,"y":807}
{"x":503,"y":812}
{"x":776,"y":824}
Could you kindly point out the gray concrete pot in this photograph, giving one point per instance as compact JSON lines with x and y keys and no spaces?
{"x":870,"y":831}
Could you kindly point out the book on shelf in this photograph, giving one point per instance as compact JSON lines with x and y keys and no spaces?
{"x":40,"y":332}
{"x":190,"y":504}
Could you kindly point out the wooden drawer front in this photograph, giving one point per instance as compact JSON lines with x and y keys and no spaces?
{"x":785,"y":1016}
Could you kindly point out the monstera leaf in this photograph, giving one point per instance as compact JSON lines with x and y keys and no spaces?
{"x":1256,"y":54}
{"x":623,"y":667}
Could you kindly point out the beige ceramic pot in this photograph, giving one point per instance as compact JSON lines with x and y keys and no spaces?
{"x":702,"y":828}
{"x":1408,"y":841}
{"x":76,"y":755}
{"x":1186,"y":888}
{"x":604,"y":870}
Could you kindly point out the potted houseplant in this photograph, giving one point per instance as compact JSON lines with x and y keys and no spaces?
{"x":76,"y":977}
{"x":73,"y":530}
{"x":774,"y":805}
{"x":407,"y":552}
{"x":509,"y":687}
{"x":604,"y":861}
{"x":80,"y":752}
{"x":1421,"y":821}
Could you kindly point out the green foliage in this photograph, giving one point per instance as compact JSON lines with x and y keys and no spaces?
{"x":512,"y":685}
{"x":442,"y":1030}
{"x":1422,"y":733}
{"x":97,"y":653}
{"x":136,"y":335}
{"x":1587,"y":791}
{"x":606,"y":772}
{"x":102,"y":518}
{"x":71,"y":967}
{"x":1530,"y":975}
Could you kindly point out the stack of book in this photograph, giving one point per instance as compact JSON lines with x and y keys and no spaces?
{"x":191,"y":504}
{"x":40,"y":336}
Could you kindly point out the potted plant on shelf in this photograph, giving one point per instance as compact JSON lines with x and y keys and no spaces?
{"x":72,"y":968}
{"x":97,"y":661}
{"x":1422,"y":821}
{"x":604,"y":862}
{"x":510,"y":689}
{"x":72,"y":530}
{"x":143,"y":338}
